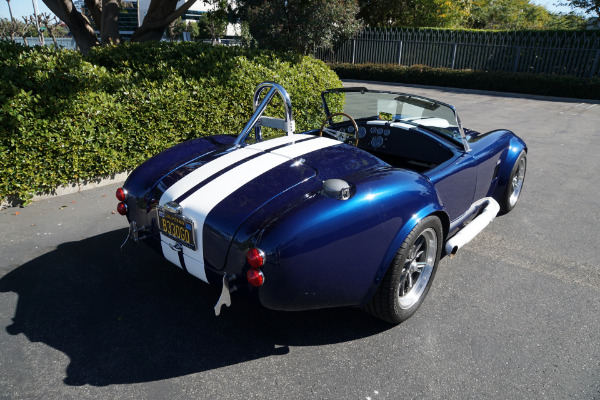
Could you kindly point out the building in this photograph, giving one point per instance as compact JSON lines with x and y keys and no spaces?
{"x":133,"y":13}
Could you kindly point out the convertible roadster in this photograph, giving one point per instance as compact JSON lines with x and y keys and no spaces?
{"x":357,"y":212}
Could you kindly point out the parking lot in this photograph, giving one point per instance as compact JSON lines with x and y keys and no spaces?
{"x":515,"y":315}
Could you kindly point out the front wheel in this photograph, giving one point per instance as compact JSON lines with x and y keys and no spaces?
{"x":410,"y":275}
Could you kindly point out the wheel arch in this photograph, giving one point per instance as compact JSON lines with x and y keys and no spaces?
{"x":515,"y":148}
{"x":432,"y":209}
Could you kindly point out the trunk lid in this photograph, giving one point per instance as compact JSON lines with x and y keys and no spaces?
{"x":221,"y":195}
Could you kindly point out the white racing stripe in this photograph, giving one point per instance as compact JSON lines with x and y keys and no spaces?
{"x":219,"y":164}
{"x":193,"y":266}
{"x":199,"y":204}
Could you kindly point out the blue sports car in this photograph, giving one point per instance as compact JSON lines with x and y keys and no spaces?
{"x":356,"y":213}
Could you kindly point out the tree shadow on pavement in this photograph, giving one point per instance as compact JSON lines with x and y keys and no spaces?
{"x":133,"y":317}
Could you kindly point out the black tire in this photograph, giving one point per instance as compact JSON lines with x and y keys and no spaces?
{"x":514,"y":186}
{"x":393,"y":302}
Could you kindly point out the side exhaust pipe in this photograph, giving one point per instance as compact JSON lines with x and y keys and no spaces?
{"x":467,"y":234}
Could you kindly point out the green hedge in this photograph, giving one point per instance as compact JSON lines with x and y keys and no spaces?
{"x":547,"y":85}
{"x":67,"y":118}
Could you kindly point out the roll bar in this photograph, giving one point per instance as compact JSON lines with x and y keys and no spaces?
{"x":257,"y":120}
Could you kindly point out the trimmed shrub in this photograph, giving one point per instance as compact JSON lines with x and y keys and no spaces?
{"x":67,"y":118}
{"x":546,"y":85}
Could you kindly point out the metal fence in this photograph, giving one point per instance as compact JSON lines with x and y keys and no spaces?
{"x":575,"y":53}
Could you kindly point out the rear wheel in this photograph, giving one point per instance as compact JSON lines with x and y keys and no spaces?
{"x":515,"y":184}
{"x":410,"y":275}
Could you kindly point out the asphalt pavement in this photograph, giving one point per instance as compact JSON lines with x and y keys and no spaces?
{"x":515,"y":315}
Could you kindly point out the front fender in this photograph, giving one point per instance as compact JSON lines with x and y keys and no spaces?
{"x":516,"y":146}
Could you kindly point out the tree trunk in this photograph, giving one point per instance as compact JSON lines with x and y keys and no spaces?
{"x":78,"y":24}
{"x":95,"y":9}
{"x":109,"y":31}
{"x":53,"y":36}
{"x":10,"y":11}
{"x":160,"y":14}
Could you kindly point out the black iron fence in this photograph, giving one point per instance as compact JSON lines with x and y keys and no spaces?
{"x":575,"y":53}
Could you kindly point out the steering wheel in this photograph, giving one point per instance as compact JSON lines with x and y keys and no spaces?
{"x":341,"y":136}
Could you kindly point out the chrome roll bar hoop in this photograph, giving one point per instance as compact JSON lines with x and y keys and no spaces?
{"x":257,"y":120}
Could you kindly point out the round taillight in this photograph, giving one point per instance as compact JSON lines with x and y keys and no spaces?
{"x":256,"y":258}
{"x":121,"y":194}
{"x":255,"y":277}
{"x":122,"y":208}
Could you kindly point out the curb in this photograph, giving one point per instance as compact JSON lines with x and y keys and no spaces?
{"x":70,"y":188}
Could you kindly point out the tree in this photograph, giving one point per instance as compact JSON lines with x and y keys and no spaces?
{"x":176,"y":28}
{"x":216,"y":20}
{"x":52,"y":26}
{"x":10,"y":10}
{"x":473,"y":14}
{"x":509,"y":14}
{"x":571,"y":21}
{"x":587,"y":6}
{"x":207,"y":29}
{"x":299,"y":25}
{"x":405,"y":13}
{"x":9,"y":28}
{"x":105,"y":14}
{"x":5,"y":28}
{"x":160,"y":14}
{"x":24,"y":28}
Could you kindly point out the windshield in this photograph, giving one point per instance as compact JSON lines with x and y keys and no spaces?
{"x":363,"y":105}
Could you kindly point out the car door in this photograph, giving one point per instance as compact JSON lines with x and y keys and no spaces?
{"x":456,"y":184}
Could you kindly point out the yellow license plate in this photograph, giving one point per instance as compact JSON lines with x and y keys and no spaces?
{"x":177,"y":227}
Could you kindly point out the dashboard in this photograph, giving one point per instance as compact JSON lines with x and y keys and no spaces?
{"x":396,"y":139}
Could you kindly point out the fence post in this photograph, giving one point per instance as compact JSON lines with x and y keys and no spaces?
{"x":454,"y":55}
{"x":517,"y":58}
{"x":400,"y":52}
{"x":353,"y":49}
{"x":595,"y":65}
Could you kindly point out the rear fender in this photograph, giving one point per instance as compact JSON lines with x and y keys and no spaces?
{"x":323,"y":252}
{"x":430,"y":206}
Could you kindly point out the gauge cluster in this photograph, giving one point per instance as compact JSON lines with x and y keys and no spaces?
{"x":375,"y":135}
{"x":379,"y":136}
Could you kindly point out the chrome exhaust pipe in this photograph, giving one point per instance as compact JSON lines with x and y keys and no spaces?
{"x":466,"y":234}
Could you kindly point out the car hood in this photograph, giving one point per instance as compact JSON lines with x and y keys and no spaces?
{"x":220,"y":195}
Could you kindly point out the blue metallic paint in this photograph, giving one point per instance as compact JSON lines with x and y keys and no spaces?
{"x":515,"y":146}
{"x":154,"y":170}
{"x":323,"y":252}
{"x":313,"y":246}
{"x":491,"y":150}
{"x":455,"y":183}
{"x":147,"y":182}
{"x":222,"y":222}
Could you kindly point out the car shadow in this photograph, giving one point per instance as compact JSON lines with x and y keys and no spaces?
{"x":132,"y":317}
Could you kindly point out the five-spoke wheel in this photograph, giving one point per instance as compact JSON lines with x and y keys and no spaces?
{"x":418,"y":267}
{"x":409,"y":277}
